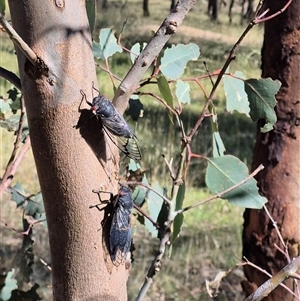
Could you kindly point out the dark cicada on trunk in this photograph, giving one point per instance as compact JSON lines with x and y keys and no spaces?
{"x":114,"y":124}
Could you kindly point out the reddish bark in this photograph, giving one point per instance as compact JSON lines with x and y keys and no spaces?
{"x":278,"y":151}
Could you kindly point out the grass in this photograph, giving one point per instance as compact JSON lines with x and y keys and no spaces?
{"x":211,"y":233}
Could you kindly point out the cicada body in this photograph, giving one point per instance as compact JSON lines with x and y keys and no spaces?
{"x":114,"y":124}
{"x":120,"y":230}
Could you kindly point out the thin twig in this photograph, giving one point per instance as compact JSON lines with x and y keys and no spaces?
{"x":266,"y":288}
{"x":18,"y":41}
{"x":146,"y":216}
{"x":150,"y":188}
{"x":260,"y":19}
{"x":11,"y":77}
{"x":13,"y":163}
{"x":30,"y":226}
{"x":276,"y":227}
{"x":158,"y":98}
{"x":169,"y":165}
{"x":247,"y":262}
{"x":151,"y":51}
{"x":220,"y":194}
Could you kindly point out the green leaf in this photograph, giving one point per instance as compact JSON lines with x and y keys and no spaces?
{"x":136,"y":50}
{"x":90,"y":6}
{"x":218,"y":145}
{"x":139,"y":194}
{"x":175,"y":59}
{"x":107,"y":46}
{"x":11,"y":123}
{"x":33,"y":206}
{"x":261,"y":94}
{"x":226,"y":171}
{"x":154,"y":202}
{"x":133,"y":165}
{"x":4,"y":106}
{"x":183,"y":92}
{"x":2,"y":7}
{"x":179,"y":217}
{"x":10,"y":284}
{"x":163,"y":217}
{"x":165,"y":91}
{"x":236,"y":97}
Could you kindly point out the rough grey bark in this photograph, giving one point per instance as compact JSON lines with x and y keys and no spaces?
{"x":70,"y":162}
{"x":278,"y":151}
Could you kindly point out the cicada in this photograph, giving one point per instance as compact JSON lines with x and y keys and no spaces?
{"x":120,"y":231}
{"x":119,"y":221}
{"x":114,"y":124}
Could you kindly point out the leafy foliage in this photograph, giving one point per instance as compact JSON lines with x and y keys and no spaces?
{"x":91,"y":13}
{"x":107,"y":45}
{"x":10,"y":284}
{"x":136,"y":50}
{"x":175,"y":59}
{"x":183,"y":92}
{"x":154,"y":203}
{"x":32,"y":205}
{"x":165,"y":90}
{"x":2,"y":6}
{"x":261,"y":94}
{"x":236,"y":97}
{"x":178,"y":221}
{"x":227,"y":171}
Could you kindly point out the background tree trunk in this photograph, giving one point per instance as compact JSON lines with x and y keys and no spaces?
{"x":70,"y":162}
{"x":279,"y":152}
{"x":146,"y":8}
{"x":212,"y":9}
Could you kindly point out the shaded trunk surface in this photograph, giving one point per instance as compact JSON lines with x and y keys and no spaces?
{"x":278,"y":151}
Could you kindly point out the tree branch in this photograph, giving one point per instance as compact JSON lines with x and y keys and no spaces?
{"x":11,"y":77}
{"x":266,"y":288}
{"x":18,"y":41}
{"x":218,"y":195}
{"x":13,"y":163}
{"x":152,"y":50}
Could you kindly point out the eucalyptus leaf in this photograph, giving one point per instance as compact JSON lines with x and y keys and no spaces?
{"x":227,"y":171}
{"x":175,"y":59}
{"x":261,"y":95}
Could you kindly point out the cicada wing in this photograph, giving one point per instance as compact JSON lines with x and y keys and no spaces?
{"x":116,"y":124}
{"x":128,"y":146}
{"x":120,"y":235}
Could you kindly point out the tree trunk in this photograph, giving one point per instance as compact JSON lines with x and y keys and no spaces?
{"x":146,"y":8}
{"x":212,"y":9}
{"x":278,"y":151}
{"x":172,"y":4}
{"x":70,"y":162}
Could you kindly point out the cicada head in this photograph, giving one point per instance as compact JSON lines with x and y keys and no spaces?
{"x":102,"y":107}
{"x":125,"y":197}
